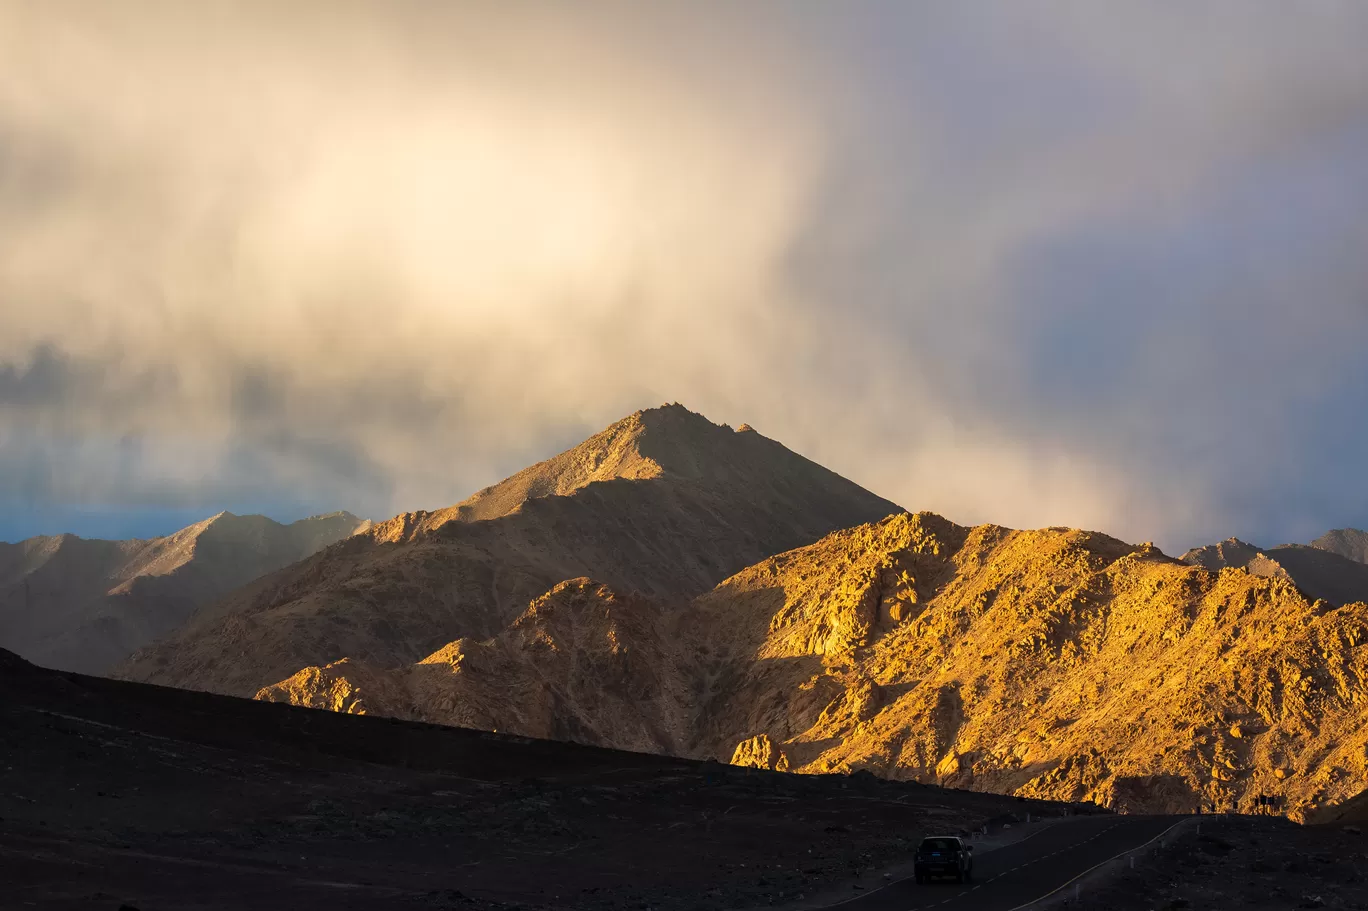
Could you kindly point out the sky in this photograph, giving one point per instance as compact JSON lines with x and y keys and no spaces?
{"x":1034,"y":263}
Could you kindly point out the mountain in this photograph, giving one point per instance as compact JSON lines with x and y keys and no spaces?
{"x":85,"y":605}
{"x":663,"y":504}
{"x":1230,"y":553}
{"x":1351,"y":543}
{"x":1055,"y":663}
{"x":1319,"y":571}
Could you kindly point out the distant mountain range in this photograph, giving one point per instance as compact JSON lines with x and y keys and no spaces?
{"x":85,"y":605}
{"x":676,"y":586}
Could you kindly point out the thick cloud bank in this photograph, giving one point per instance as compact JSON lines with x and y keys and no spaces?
{"x":1036,"y":263}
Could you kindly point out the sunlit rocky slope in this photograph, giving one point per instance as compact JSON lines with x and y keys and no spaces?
{"x":84,"y":605}
{"x":663,"y":503}
{"x":1052,"y":663}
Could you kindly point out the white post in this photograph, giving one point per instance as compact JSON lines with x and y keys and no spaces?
{"x":1199,"y":828}
{"x":1028,"y":815}
{"x":1132,"y":860}
{"x":1077,"y":888}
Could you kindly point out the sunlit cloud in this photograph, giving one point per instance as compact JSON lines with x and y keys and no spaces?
{"x":1037,"y":266}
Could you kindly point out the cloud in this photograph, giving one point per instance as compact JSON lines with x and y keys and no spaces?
{"x":1039,"y":265}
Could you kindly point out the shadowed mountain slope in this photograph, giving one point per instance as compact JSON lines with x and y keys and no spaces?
{"x":85,"y":605}
{"x":1347,"y":542}
{"x":1320,"y":572}
{"x":663,"y":503}
{"x":1053,"y":663}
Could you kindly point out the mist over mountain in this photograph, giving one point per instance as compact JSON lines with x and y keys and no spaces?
{"x":84,"y":605}
{"x":324,"y":256}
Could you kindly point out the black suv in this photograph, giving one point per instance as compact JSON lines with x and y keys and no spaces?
{"x":944,"y":855}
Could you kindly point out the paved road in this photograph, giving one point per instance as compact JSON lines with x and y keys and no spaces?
{"x":1018,"y":873}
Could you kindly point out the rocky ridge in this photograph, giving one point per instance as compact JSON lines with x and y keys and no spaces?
{"x":663,"y":503}
{"x":1347,"y":542}
{"x":84,"y":605}
{"x":1323,"y":569}
{"x":1052,"y":663}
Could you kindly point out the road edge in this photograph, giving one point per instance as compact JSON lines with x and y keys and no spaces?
{"x":1108,"y":867}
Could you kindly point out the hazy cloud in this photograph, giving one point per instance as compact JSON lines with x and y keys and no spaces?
{"x":1034,"y":263}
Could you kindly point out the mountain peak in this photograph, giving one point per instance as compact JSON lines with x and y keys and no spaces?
{"x":1232,"y":552}
{"x":1347,"y":542}
{"x":669,"y":442}
{"x":662,"y":503}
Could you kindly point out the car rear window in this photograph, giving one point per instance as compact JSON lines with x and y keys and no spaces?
{"x":939,"y":844}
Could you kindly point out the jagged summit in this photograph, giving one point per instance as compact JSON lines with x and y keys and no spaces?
{"x":1230,"y":552}
{"x":611,"y":454}
{"x":668,"y":442}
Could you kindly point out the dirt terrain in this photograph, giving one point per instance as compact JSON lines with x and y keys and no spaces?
{"x":664,"y":503}
{"x":1256,"y":862}
{"x":85,"y":605}
{"x":1054,"y":663}
{"x":115,"y":793}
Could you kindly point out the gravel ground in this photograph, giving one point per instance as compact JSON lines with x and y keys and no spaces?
{"x":1247,"y":862}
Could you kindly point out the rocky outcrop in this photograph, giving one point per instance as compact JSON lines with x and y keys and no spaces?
{"x":759,"y":752}
{"x":582,"y":663}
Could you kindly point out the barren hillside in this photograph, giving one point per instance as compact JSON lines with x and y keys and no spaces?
{"x":663,"y":503}
{"x":84,"y":605}
{"x":1052,"y":663}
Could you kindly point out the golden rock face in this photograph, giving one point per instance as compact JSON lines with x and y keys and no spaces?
{"x":1054,"y":663}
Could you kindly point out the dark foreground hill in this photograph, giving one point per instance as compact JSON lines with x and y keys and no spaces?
{"x":663,"y":502}
{"x":114,"y":792}
{"x":85,"y":605}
